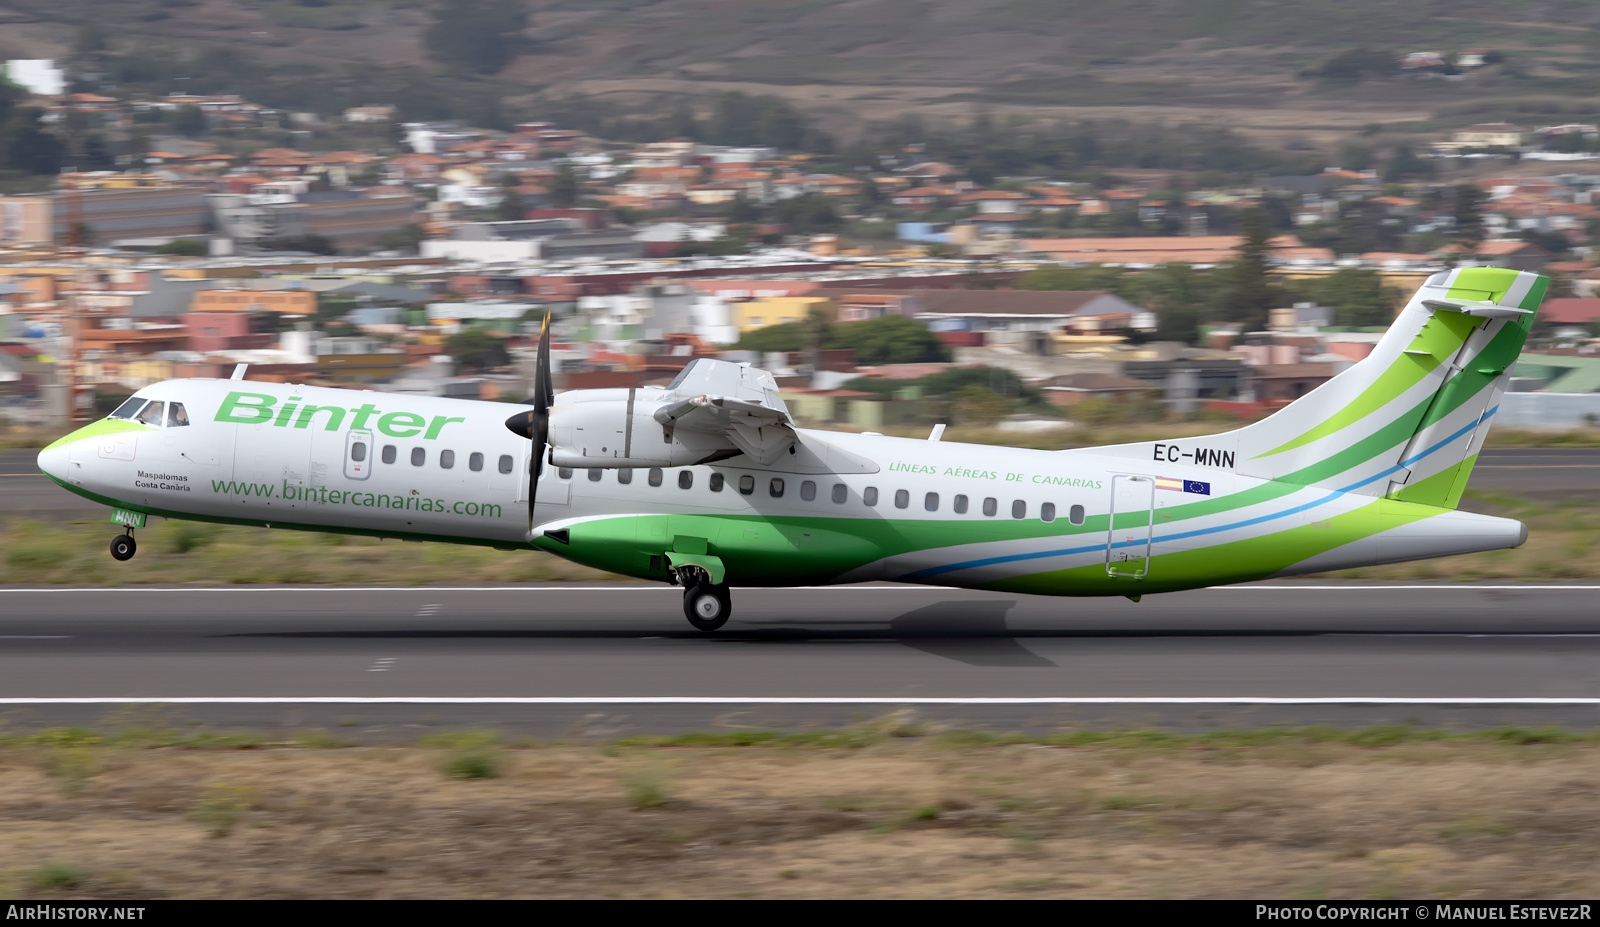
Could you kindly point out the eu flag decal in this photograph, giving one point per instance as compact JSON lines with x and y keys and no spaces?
{"x":1195,"y":486}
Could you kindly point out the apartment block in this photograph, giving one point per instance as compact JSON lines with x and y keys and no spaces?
{"x":111,"y":216}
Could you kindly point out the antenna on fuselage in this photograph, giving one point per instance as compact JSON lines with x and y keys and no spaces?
{"x":938,"y":432}
{"x":238,"y":371}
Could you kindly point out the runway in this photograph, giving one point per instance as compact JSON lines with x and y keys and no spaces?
{"x":554,"y":661}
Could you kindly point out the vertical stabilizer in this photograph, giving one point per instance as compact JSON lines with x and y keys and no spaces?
{"x":1407,"y":422}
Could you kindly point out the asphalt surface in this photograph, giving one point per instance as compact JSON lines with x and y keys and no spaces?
{"x":556,"y":661}
{"x":1542,"y":473}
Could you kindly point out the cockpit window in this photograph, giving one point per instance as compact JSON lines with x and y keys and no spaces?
{"x":176,"y":415}
{"x":129,"y":406}
{"x":152,"y":413}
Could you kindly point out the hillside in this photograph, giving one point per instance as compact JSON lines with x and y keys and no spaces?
{"x":1248,"y":63}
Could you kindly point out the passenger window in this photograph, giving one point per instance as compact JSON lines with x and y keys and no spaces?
{"x":870,"y":495}
{"x":419,"y":456}
{"x":1047,"y":512}
{"x":1019,"y":509}
{"x":447,"y":460}
{"x":685,"y":479}
{"x":930,"y":502}
{"x":990,"y":506}
{"x":716,"y":482}
{"x":775,"y":488}
{"x":475,"y":463}
{"x":655,"y":476}
{"x":902,"y":499}
{"x":808,"y":490}
{"x":840,"y":493}
{"x":747,"y":485}
{"x":960,"y":505}
{"x":505,"y":463}
{"x":1075,"y":514}
{"x":595,"y":474}
{"x":177,"y":415}
{"x":563,"y":472}
{"x":358,"y":451}
{"x":390,"y":455}
{"x":129,"y":406}
{"x":152,"y":414}
{"x":625,"y":475}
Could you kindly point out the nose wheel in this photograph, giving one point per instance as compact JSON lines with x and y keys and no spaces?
{"x":706,"y":606}
{"x":123,"y":546}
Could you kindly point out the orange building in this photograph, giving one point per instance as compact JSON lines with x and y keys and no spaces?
{"x":288,"y":302}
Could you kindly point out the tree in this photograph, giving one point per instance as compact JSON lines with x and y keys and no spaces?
{"x":808,"y":214}
{"x":477,"y":351}
{"x":892,"y":339}
{"x":183,"y":247}
{"x":405,"y":238}
{"x":1356,"y":64}
{"x":1468,"y":212}
{"x":564,"y":187}
{"x":476,"y":35}
{"x":190,"y":121}
{"x":1357,"y":297}
{"x":510,"y":208}
{"x":1093,"y":277}
{"x":26,"y":147}
{"x":1250,"y":294}
{"x":1405,"y":165}
{"x":1176,"y":293}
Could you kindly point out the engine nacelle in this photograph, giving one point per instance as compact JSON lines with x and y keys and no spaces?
{"x":616,"y":428}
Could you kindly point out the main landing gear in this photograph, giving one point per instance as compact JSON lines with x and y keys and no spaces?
{"x":706,"y":606}
{"x":123,"y":546}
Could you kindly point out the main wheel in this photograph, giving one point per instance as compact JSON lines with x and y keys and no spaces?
{"x":123,"y":547}
{"x":707,"y":607}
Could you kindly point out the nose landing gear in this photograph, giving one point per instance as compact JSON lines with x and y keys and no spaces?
{"x":123,"y":546}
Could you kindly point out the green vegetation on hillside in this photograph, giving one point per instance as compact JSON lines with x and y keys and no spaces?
{"x":892,"y":339}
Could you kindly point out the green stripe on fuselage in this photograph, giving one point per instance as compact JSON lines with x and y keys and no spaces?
{"x":105,"y":426}
{"x":1238,"y":561}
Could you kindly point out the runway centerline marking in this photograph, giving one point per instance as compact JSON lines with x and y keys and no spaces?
{"x":779,"y":700}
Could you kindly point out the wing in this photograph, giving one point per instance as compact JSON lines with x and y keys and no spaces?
{"x":735,"y":402}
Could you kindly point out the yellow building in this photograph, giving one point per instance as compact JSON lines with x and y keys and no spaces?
{"x":756,"y":314}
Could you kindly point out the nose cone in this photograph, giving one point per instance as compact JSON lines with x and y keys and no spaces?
{"x":53,"y":460}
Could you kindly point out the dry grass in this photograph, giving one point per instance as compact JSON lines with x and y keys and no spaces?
{"x":192,"y":552}
{"x":933,"y":816}
{"x":1561,"y":545}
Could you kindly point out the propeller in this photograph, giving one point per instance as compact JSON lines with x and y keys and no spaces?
{"x":534,"y":424}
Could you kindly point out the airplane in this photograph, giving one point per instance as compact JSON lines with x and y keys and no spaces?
{"x":709,"y":483}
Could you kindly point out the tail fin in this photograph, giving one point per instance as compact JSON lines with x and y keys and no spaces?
{"x":1408,"y":421}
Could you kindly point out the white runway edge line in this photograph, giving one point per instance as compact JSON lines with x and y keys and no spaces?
{"x":765,"y":700}
{"x":622,"y":587}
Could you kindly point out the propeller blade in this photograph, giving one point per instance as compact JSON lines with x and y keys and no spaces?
{"x":534,"y":424}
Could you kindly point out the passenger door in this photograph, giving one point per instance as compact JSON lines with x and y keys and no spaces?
{"x":1133,"y":500}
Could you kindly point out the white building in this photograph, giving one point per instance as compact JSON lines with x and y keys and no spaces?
{"x":39,"y":76}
